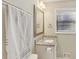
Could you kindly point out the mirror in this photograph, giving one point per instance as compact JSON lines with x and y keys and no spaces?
{"x":38,"y":21}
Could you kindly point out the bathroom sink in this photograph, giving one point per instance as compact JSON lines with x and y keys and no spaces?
{"x":48,"y":41}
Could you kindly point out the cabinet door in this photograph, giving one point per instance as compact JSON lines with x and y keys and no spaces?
{"x":45,"y":52}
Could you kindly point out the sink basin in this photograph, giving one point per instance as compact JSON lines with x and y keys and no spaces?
{"x":48,"y":41}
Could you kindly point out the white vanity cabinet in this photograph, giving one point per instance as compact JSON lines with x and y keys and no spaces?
{"x":46,"y":50}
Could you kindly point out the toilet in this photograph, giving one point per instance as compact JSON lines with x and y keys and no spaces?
{"x":33,"y":56}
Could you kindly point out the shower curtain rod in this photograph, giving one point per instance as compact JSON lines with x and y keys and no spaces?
{"x":16,"y":6}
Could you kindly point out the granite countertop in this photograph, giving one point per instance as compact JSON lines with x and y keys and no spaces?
{"x":46,"y":42}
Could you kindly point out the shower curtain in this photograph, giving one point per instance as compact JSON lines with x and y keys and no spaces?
{"x":19,"y":33}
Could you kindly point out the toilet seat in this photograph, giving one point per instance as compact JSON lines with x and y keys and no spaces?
{"x":33,"y":56}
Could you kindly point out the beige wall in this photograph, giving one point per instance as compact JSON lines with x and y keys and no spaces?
{"x":26,"y":5}
{"x":50,"y":14}
{"x":65,"y":42}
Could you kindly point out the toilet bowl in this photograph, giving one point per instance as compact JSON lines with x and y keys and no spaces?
{"x":33,"y":56}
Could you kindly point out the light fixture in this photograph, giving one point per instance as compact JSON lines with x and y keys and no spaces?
{"x":42,"y":5}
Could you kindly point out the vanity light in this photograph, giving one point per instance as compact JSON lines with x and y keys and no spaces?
{"x":42,"y":5}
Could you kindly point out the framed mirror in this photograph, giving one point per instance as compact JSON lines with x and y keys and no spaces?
{"x":38,"y":22}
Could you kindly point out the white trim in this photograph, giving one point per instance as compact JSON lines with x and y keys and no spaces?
{"x":68,"y":33}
